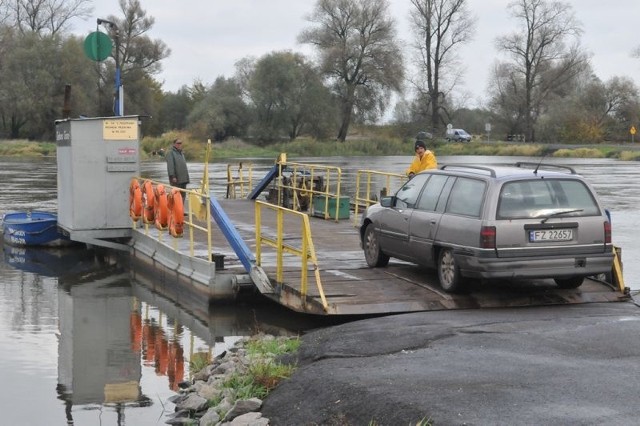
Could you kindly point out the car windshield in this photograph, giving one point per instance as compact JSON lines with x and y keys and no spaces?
{"x":546,"y":198}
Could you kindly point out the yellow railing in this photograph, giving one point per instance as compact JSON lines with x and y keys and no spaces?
{"x":239,"y":185}
{"x":364,"y":198}
{"x":617,"y":269}
{"x":306,"y":253}
{"x":305,"y":182}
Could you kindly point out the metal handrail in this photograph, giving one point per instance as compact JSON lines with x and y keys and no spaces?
{"x":239,"y":181}
{"x":306,"y":252}
{"x":331,"y":175}
{"x":366,"y":200}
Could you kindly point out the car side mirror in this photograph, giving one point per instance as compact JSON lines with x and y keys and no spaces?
{"x":388,"y":201}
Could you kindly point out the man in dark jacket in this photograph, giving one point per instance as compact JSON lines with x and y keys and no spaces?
{"x":177,"y":167}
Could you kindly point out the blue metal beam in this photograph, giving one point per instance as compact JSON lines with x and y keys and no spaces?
{"x":231,"y":234}
{"x":246,"y":257}
{"x":273,"y":173}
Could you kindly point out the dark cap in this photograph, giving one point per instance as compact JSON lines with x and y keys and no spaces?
{"x":420,"y":143}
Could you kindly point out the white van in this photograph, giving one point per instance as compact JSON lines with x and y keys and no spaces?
{"x":457,"y":135}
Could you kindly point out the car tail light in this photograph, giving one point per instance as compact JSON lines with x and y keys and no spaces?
{"x":488,"y":237}
{"x":607,"y":232}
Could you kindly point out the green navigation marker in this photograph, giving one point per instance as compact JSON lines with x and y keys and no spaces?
{"x":97,"y":46}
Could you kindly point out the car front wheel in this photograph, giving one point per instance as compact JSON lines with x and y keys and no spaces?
{"x":372,"y":253}
{"x":573,"y":282}
{"x":448,"y":272}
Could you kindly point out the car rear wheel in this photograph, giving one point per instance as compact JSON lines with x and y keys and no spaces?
{"x":448,"y":272}
{"x":372,"y":253}
{"x":573,"y":282}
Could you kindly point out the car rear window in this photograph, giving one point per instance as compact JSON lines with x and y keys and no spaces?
{"x":543,"y":197}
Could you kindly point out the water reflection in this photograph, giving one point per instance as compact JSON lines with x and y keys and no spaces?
{"x":49,"y":262}
{"x":103,"y":339}
{"x":98,"y":359}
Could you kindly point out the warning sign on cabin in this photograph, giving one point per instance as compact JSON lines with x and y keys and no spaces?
{"x":119,"y":130}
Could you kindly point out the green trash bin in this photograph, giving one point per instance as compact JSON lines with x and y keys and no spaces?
{"x":319,"y":202}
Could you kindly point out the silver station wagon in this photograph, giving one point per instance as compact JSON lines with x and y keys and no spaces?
{"x":526,"y":221}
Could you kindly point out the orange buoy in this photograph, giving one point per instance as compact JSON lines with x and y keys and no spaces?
{"x":135,"y":200}
{"x":176,"y":214}
{"x":161,"y":210}
{"x":148,"y":202}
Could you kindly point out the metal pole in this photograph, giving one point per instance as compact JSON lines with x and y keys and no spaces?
{"x":118,"y":95}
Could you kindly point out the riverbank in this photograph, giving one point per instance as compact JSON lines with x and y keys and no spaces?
{"x":236,"y":148}
{"x":534,"y":365}
{"x":230,"y":389}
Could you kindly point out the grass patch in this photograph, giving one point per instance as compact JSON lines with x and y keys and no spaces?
{"x":260,"y":379}
{"x":579,"y":153}
{"x":263,"y":372}
{"x":352,"y":147}
{"x":488,"y":149}
{"x":629,"y":155}
{"x":273,"y":346}
{"x":24,"y":148}
{"x":199,"y":360}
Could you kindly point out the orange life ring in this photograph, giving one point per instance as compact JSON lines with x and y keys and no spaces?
{"x":135,"y":200}
{"x":161,"y":208}
{"x":176,"y":214}
{"x":148,"y":202}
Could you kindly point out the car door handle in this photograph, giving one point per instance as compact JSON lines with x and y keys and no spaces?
{"x":433,"y":222}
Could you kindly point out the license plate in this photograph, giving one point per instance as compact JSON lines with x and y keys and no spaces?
{"x":543,"y":235}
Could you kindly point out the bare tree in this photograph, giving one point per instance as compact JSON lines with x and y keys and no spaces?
{"x":356,"y":40}
{"x":440,"y":27}
{"x":45,"y":17}
{"x":137,"y":52}
{"x":542,"y":62}
{"x":4,"y":11}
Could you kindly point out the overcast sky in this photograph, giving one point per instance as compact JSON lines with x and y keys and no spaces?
{"x":207,"y":37}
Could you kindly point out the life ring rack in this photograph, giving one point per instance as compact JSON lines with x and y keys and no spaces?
{"x":156,"y":204}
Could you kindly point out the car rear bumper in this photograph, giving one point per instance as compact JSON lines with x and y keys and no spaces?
{"x":541,"y":267}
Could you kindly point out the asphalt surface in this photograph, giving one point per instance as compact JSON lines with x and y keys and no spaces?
{"x":554,"y":365}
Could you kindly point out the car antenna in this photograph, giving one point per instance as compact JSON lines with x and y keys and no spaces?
{"x":535,"y":171}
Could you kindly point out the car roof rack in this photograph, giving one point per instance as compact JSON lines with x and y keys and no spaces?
{"x":536,"y":166}
{"x":472,"y":168}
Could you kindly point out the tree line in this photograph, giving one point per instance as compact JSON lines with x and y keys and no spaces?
{"x":542,"y":86}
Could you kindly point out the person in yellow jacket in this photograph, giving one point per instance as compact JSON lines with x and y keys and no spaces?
{"x":423,"y":160}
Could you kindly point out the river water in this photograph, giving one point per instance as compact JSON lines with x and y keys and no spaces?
{"x":83,"y":341}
